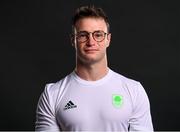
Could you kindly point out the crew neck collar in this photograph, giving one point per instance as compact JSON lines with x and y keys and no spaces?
{"x":94,"y":83}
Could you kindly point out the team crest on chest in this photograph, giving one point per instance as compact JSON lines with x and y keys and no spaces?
{"x":117,"y":100}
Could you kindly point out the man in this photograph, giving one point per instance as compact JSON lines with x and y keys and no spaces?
{"x":93,"y":97}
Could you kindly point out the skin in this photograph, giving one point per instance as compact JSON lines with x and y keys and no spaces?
{"x":91,"y":58}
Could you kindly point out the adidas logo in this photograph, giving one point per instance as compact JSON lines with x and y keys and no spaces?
{"x":70,"y":105}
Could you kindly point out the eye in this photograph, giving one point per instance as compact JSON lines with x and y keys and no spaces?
{"x":82,"y":34}
{"x":98,"y":34}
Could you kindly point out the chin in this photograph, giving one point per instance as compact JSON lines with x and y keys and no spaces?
{"x":91,"y":60}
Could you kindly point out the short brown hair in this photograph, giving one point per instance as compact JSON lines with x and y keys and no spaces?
{"x":89,"y":11}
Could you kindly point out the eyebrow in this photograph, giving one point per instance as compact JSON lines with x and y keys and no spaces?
{"x":90,"y":32}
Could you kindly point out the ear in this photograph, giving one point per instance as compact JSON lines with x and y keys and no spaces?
{"x":108,"y":39}
{"x":72,"y":40}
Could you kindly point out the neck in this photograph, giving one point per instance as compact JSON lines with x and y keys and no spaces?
{"x":91,"y":72}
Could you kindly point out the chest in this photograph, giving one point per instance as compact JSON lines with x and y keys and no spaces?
{"x":92,"y":106}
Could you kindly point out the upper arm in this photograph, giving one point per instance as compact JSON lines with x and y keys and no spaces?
{"x":45,"y":113}
{"x":141,"y":116}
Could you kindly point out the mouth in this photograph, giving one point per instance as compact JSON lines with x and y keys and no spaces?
{"x":90,"y":50}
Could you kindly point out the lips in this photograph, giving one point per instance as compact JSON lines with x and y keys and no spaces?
{"x":91,"y":50}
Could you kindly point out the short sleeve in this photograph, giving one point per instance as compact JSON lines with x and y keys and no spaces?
{"x":45,"y":113}
{"x":141,"y":117}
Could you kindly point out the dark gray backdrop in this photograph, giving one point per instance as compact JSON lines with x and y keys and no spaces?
{"x":35,"y":50}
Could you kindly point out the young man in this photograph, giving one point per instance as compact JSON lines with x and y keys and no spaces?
{"x":93,"y":97}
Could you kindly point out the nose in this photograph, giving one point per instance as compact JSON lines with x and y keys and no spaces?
{"x":91,"y":40}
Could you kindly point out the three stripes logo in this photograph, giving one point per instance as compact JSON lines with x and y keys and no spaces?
{"x":70,"y":105}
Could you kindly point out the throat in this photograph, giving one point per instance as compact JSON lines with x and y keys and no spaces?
{"x":92,"y":74}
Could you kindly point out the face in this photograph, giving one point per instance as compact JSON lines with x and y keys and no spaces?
{"x":91,"y":50}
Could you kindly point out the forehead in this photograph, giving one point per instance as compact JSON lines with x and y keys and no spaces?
{"x":90,"y":25}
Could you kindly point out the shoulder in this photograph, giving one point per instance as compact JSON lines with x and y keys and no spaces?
{"x":125,"y":80}
{"x":52,"y":92}
{"x":133,"y":87}
{"x":54,"y":88}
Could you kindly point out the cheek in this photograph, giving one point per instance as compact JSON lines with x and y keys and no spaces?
{"x":104,"y":45}
{"x":78,"y":47}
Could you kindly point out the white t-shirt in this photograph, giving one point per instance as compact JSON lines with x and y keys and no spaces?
{"x":113,"y":103}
